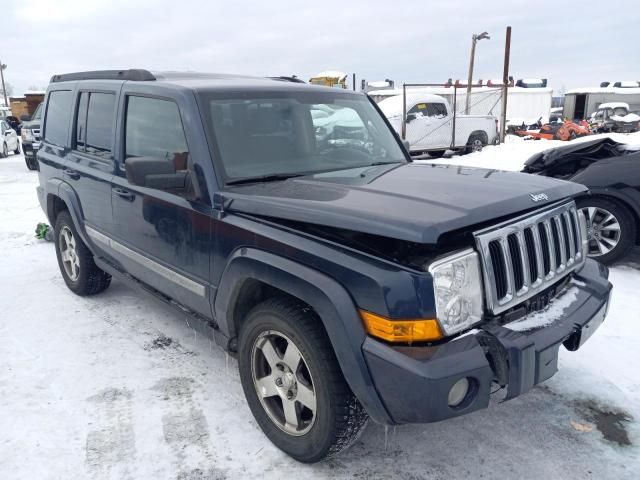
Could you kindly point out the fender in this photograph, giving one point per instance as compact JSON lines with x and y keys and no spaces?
{"x":69,"y":196}
{"x":329,"y":299}
{"x":619,"y":195}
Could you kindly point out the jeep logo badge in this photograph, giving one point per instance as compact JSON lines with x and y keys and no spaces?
{"x":538,"y":197}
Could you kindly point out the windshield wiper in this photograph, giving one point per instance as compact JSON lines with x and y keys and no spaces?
{"x":375,"y":164}
{"x":265,"y":178}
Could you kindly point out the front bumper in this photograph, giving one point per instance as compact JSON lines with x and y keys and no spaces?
{"x":414,"y":382}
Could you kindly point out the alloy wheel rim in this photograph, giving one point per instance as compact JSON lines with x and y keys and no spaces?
{"x":476,"y":146}
{"x":603,"y":231}
{"x":283,"y":383}
{"x":69,"y":253}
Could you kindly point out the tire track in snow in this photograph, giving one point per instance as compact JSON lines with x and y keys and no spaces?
{"x":110,"y":446}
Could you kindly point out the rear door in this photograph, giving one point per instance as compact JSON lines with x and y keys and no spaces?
{"x":163,"y":228}
{"x":91,"y":164}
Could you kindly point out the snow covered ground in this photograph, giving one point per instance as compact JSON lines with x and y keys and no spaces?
{"x":116,"y":386}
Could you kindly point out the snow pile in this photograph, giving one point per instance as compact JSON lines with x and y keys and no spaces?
{"x":547,"y":316}
{"x":512,"y":154}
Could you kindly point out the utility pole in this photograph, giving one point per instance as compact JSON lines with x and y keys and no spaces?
{"x":474,"y":40}
{"x":4,"y":90}
{"x":505,"y":86}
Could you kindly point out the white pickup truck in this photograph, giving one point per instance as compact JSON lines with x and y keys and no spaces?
{"x":430,"y":125}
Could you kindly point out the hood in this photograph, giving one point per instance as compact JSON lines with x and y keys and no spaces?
{"x":411,"y":202}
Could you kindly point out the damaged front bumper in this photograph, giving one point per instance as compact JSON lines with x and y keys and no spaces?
{"x":414,"y":382}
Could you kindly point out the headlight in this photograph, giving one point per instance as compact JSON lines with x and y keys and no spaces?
{"x":27,"y":135}
{"x":457,"y":286}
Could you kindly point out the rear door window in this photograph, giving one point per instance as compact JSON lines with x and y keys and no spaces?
{"x":57,"y":117}
{"x":95,"y":123}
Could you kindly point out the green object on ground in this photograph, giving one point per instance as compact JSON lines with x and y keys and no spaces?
{"x":44,"y":232}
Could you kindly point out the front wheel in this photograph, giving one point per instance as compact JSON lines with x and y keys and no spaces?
{"x":293,"y":383}
{"x":32,"y":163}
{"x":611,"y":228}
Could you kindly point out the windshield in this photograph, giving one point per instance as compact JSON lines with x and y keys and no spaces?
{"x":270,"y":134}
{"x":36,"y":114}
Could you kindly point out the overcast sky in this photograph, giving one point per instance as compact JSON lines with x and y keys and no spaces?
{"x":572,"y":43}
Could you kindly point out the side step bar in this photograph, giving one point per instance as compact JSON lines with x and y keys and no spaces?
{"x":206,"y":327}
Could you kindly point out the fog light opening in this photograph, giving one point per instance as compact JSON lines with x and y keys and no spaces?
{"x":458,"y":392}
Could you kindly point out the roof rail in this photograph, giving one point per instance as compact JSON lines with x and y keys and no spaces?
{"x":136,"y":74}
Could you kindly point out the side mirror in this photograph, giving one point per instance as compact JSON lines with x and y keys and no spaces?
{"x":411,"y":117}
{"x":8,"y":131}
{"x":155,"y":173}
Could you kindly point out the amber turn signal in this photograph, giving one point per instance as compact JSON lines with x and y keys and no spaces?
{"x":419,"y":330}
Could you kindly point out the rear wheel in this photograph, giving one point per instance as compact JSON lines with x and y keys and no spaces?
{"x":293,"y":383}
{"x":75,"y":260}
{"x":611,"y":228}
{"x":475,"y":143}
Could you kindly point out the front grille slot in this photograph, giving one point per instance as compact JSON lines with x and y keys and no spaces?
{"x":516,"y":262}
{"x":499,"y":268}
{"x":525,"y":256}
{"x":546,"y":251}
{"x":532,"y":255}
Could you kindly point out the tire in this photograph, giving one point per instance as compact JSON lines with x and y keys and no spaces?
{"x":17,"y":150}
{"x":475,"y":143}
{"x":4,"y":153}
{"x":32,"y":163}
{"x":79,"y":271}
{"x":338,"y":418}
{"x":436,"y":153}
{"x":608,"y":244}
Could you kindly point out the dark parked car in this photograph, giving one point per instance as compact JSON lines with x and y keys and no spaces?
{"x":349,"y":282}
{"x":14,"y":122}
{"x":611,"y":171}
{"x":31,"y":138}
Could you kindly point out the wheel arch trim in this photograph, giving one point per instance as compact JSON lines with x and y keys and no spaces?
{"x":328,"y":298}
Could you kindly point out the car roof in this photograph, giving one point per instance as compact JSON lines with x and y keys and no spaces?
{"x":199,"y":81}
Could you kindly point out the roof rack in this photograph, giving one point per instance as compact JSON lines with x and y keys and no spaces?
{"x":285,"y":78}
{"x":136,"y":74}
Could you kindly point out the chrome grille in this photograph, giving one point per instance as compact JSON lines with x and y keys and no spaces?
{"x":524,"y":256}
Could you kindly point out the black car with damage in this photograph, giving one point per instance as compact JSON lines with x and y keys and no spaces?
{"x":349,"y":282}
{"x":611,"y":171}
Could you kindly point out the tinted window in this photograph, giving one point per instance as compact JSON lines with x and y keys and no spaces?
{"x":57,"y":117}
{"x":100,"y":123}
{"x":154,"y":129}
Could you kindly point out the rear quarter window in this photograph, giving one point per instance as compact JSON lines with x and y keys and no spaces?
{"x":56,"y":120}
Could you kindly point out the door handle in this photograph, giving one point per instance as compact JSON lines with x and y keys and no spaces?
{"x":71,"y":173}
{"x":124,"y":194}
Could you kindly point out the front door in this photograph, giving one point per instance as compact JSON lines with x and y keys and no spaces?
{"x":428,"y":126}
{"x":163,"y":228}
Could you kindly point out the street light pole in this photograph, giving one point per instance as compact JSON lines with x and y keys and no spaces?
{"x":4,"y":90}
{"x":474,"y":40}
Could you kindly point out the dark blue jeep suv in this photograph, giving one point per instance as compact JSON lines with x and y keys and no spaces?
{"x":289,"y":224}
